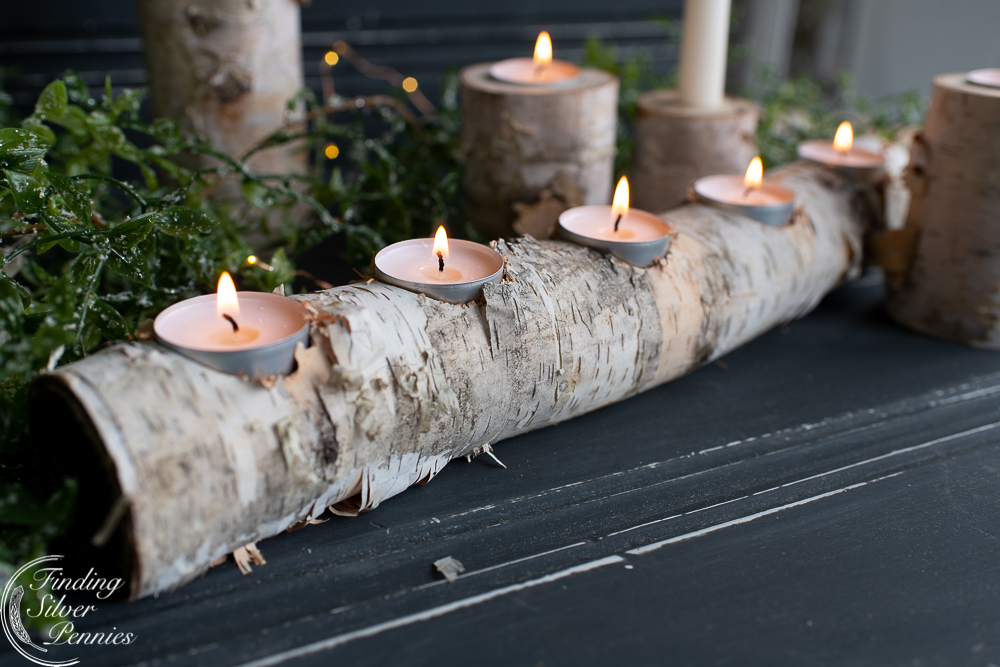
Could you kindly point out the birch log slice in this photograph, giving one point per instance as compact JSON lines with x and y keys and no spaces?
{"x":519,"y":140}
{"x":674,"y":145}
{"x":196,"y":463}
{"x":225,"y":70}
{"x":952,"y":288}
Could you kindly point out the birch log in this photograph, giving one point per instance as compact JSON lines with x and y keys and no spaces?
{"x":951,"y":240}
{"x":676,"y":144}
{"x":533,"y":151}
{"x":189,"y":464}
{"x":225,"y":70}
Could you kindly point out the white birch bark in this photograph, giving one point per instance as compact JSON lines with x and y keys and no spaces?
{"x":395,"y":384}
{"x":949,"y":283}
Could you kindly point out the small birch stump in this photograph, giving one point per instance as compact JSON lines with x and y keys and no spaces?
{"x":182,"y":464}
{"x":225,"y":70}
{"x":675,"y":144}
{"x":950,"y":286}
{"x":520,"y":140}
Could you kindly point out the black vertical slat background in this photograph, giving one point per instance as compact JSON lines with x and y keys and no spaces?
{"x":39,"y":40}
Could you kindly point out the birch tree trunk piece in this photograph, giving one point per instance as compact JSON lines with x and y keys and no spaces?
{"x":951,"y":287}
{"x":225,"y":70}
{"x":188,"y":464}
{"x":675,"y":144}
{"x":522,"y":143}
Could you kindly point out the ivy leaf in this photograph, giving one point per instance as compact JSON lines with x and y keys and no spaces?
{"x":76,"y":199}
{"x":131,"y":263}
{"x":28,"y":191}
{"x":52,"y":102}
{"x":183,"y":221}
{"x":77,"y":88}
{"x":108,"y":320}
{"x":20,"y":150}
{"x":131,"y":232}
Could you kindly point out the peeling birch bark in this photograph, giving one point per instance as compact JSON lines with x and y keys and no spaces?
{"x":395,"y":385}
{"x":950,"y":282}
{"x":520,"y":141}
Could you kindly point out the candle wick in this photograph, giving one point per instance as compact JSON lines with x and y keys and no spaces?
{"x":746,"y":193}
{"x":236,"y":327}
{"x":440,"y":261}
{"x":618,"y":221}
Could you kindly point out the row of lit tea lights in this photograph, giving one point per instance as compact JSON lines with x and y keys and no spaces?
{"x":254,"y":334}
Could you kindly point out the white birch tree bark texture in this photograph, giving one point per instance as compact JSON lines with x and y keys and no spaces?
{"x":225,"y":70}
{"x":533,"y":151}
{"x":950,"y":283}
{"x":184,"y":464}
{"x":676,"y":144}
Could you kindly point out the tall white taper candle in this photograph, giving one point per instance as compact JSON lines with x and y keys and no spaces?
{"x":703,"y":53}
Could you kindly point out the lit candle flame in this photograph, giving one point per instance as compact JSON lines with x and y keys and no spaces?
{"x":755,"y":174}
{"x":226,"y":302}
{"x":441,"y":243}
{"x":844,"y":139}
{"x":619,"y":205}
{"x":543,"y":49}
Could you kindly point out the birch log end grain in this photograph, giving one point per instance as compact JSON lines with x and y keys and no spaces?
{"x":225,"y":70}
{"x":952,"y":287}
{"x":675,"y":144}
{"x":519,"y":141}
{"x":183,"y":464}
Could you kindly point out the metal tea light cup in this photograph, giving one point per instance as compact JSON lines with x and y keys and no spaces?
{"x":637,"y":253}
{"x":772,"y":215}
{"x":451,"y":292}
{"x":274,"y":358}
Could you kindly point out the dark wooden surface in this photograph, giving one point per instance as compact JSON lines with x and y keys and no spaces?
{"x":827,"y":496}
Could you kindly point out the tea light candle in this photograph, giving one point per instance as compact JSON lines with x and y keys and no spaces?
{"x":752,"y":196}
{"x":638,"y":237}
{"x":538,"y":70}
{"x":985,"y":77}
{"x":841,"y":154}
{"x":246,"y":333}
{"x":446,"y":269}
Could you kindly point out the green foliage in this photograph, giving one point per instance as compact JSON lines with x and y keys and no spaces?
{"x":88,"y":255}
{"x":795,"y":110}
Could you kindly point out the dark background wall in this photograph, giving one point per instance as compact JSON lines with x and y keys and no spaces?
{"x":38,"y":40}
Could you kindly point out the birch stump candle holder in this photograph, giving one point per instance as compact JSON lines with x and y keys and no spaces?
{"x":532,"y":151}
{"x":952,"y":235}
{"x":179,"y":464}
{"x":675,"y":144}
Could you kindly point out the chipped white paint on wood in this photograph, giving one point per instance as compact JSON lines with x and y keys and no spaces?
{"x":395,"y":385}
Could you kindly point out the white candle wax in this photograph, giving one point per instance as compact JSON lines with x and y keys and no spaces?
{"x":264,"y":319}
{"x":985,"y":77}
{"x":526,"y":72}
{"x":704,"y":42}
{"x":415,"y":261}
{"x":823,"y":152}
{"x":641,"y":239}
{"x":730,"y":189}
{"x":598,"y":222}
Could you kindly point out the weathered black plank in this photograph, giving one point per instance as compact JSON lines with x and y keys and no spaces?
{"x":841,"y":471}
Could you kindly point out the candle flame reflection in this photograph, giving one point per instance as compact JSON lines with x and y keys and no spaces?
{"x":543,"y":49}
{"x":441,"y":243}
{"x":755,"y":174}
{"x":226,"y":302}
{"x":844,"y":139}
{"x":619,"y":205}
